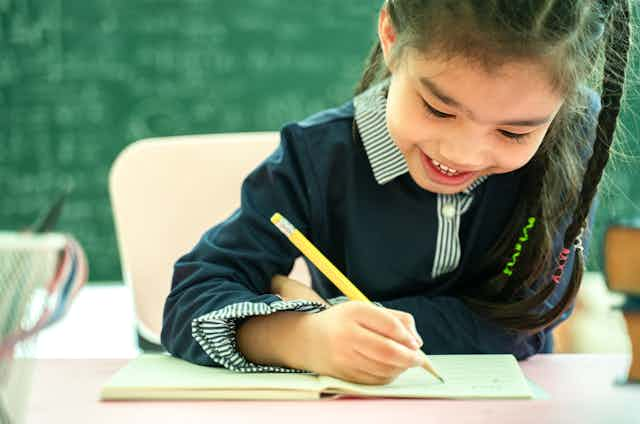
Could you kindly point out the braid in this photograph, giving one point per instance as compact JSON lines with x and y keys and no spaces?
{"x":514,"y":289}
{"x":616,"y":57}
{"x":617,"y":44}
{"x":612,"y":85}
{"x":533,"y":185}
{"x":502,"y":288}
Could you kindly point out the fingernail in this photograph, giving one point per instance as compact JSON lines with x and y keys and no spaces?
{"x":418,"y":361}
{"x":413,"y":342}
{"x":419,"y":340}
{"x":417,"y":336}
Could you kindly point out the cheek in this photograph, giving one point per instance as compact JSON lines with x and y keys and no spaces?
{"x":398,"y":131}
{"x":406,"y":124}
{"x":515,"y":157}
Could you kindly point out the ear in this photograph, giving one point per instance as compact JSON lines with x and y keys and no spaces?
{"x":386,"y":35}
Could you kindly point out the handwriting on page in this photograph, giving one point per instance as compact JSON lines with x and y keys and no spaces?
{"x":466,"y":376}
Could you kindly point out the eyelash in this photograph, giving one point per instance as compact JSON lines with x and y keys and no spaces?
{"x":518,"y":138}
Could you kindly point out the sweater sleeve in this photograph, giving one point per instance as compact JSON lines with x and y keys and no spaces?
{"x":216,"y":331}
{"x":226,"y":277}
{"x":448,"y":326}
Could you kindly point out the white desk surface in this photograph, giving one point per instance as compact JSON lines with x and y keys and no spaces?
{"x":581,"y":387}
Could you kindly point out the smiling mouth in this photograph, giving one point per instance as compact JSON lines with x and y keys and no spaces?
{"x":442,"y":174}
{"x":446,"y":170}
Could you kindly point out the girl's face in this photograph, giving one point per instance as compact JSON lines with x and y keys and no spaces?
{"x":453,"y":114}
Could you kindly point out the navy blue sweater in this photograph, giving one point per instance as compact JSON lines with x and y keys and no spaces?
{"x":382,"y":236}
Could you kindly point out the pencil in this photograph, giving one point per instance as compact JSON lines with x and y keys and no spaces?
{"x":331,"y":272}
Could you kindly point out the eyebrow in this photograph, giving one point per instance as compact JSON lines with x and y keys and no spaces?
{"x":450,"y":101}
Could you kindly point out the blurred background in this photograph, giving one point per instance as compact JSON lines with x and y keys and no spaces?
{"x":80,"y":80}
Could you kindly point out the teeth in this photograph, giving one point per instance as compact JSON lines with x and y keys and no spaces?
{"x":446,"y":170}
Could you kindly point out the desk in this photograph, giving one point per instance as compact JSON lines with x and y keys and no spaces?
{"x":580,"y":385}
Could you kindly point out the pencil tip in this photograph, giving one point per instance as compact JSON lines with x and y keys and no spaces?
{"x":441,"y":379}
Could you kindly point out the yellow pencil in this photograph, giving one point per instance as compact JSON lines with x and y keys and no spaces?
{"x":331,"y":272}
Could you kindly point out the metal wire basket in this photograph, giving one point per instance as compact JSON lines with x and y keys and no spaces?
{"x":40,"y":274}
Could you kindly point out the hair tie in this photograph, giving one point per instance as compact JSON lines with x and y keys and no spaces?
{"x":562,"y":261}
{"x":564,"y":256}
{"x":518,"y":247}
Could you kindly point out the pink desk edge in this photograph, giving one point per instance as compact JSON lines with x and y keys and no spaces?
{"x":582,"y":388}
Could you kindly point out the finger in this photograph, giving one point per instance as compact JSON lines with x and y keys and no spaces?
{"x":382,"y":349}
{"x":360,"y":376}
{"x":383,"y":322}
{"x":364,"y":377}
{"x":409,"y":323}
{"x":375,"y":367}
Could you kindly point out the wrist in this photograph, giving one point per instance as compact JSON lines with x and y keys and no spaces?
{"x":278,"y":339}
{"x":295,"y":342}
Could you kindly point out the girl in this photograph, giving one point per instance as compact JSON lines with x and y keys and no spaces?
{"x":454,"y":190}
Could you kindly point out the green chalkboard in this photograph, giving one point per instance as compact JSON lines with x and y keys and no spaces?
{"x":79,"y":80}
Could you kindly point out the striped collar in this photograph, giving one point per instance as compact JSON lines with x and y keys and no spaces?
{"x":386,"y":160}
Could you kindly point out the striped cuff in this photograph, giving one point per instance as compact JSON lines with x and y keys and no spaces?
{"x":337,"y":300}
{"x":216,"y":332}
{"x":341,"y":299}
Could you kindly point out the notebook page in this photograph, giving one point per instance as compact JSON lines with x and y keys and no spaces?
{"x":466,"y":376}
{"x":160,"y":372}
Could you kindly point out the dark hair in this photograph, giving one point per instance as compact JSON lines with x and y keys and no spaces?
{"x":571,"y":38}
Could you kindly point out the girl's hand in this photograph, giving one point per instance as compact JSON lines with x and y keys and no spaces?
{"x":358,"y":342}
{"x":290,"y":289}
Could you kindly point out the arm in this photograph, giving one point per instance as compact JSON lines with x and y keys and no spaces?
{"x":226,"y":277}
{"x":220,"y":310}
{"x":447,"y":325}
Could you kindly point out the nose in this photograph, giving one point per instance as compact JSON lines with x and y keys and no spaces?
{"x":465,"y":150}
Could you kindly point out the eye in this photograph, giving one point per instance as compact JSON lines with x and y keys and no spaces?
{"x":518,"y":138}
{"x":435,"y":112}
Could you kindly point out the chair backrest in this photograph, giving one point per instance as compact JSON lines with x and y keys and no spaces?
{"x":622,"y":256}
{"x":165,"y":193}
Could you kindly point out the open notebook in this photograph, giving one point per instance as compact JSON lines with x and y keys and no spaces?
{"x":158,"y":376}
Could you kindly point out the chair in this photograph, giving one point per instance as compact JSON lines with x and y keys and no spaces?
{"x":165,"y":193}
{"x":622,"y":272}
